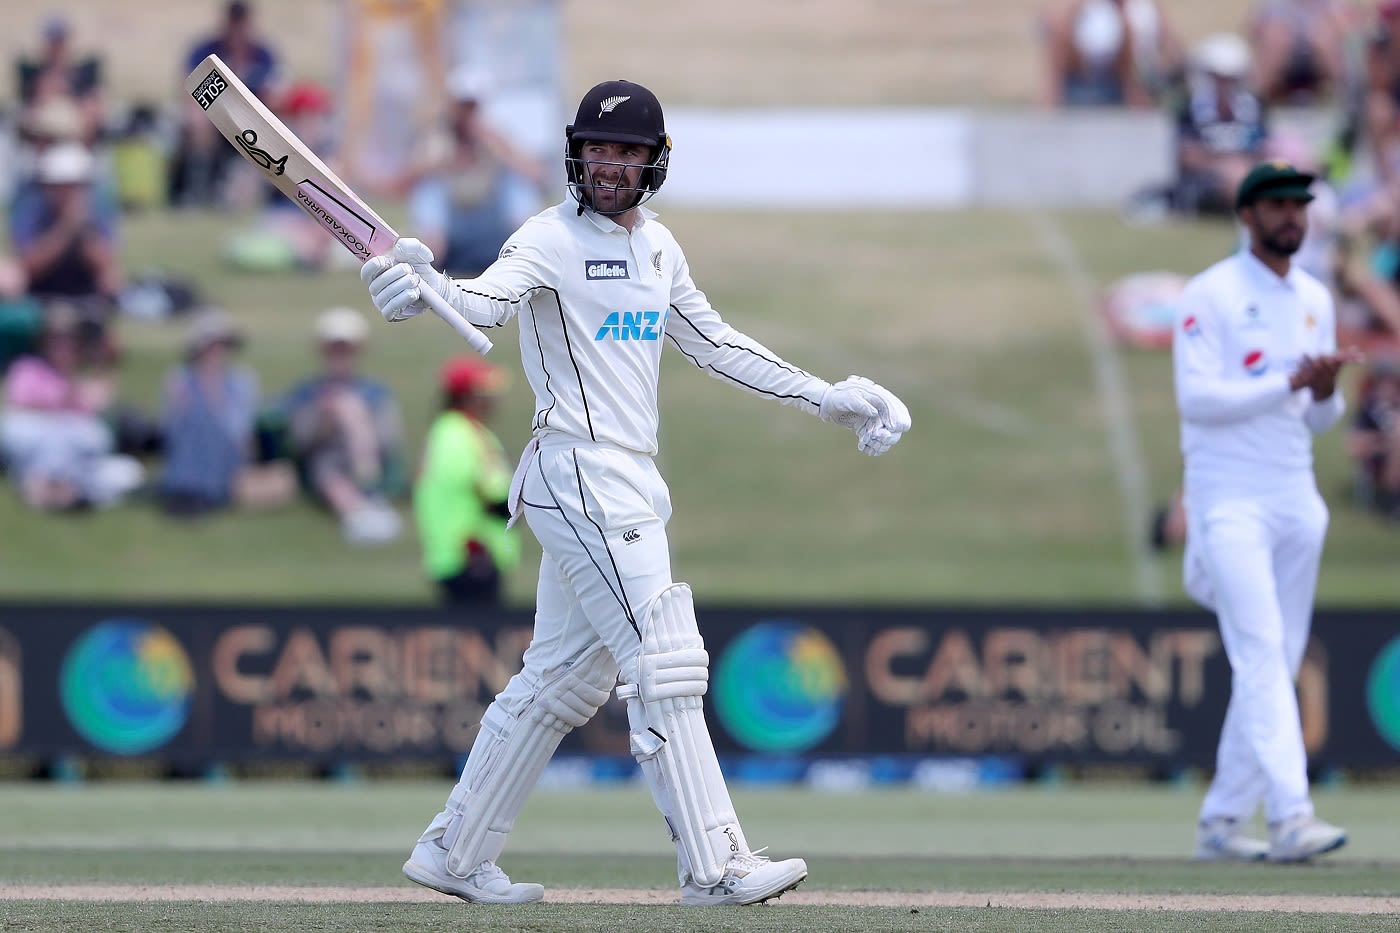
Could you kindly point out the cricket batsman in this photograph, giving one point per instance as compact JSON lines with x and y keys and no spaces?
{"x":599,"y":286}
{"x":1256,"y":366}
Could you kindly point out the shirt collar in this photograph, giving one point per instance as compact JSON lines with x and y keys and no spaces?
{"x":608,"y":225}
{"x":1256,"y":267}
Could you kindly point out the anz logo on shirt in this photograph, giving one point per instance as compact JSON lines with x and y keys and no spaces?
{"x":632,"y":325}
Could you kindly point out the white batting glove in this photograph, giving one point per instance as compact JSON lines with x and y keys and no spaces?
{"x":873,"y":412}
{"x":396,"y":279}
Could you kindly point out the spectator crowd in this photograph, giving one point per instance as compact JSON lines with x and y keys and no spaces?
{"x":1336,"y":61}
{"x":218,"y":438}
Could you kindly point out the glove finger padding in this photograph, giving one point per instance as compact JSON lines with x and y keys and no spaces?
{"x":877,"y":441}
{"x":894,"y":415}
{"x":414,"y":252}
{"x":373,"y":267}
{"x":396,"y":293}
{"x":847,"y":406}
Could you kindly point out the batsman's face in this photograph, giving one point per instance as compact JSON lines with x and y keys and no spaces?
{"x":613,"y":170}
{"x":1278,"y":224}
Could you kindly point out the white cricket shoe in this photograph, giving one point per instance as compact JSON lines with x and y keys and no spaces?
{"x":1222,"y":840}
{"x":1302,"y":837}
{"x":748,"y":879}
{"x":486,"y":885}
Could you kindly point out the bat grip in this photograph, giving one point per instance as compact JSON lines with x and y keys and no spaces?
{"x":474,"y":338}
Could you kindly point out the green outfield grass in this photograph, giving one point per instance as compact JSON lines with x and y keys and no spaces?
{"x":1005,"y":491}
{"x":1128,"y":840}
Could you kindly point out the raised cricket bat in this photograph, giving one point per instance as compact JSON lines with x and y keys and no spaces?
{"x":294,"y":169}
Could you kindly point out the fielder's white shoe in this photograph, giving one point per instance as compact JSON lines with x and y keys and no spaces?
{"x":486,"y":885}
{"x":748,"y":879}
{"x":1222,"y":840}
{"x":1302,"y":837}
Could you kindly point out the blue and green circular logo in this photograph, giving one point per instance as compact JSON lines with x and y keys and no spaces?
{"x":126,"y":686}
{"x":1383,"y":693}
{"x":779,"y":687}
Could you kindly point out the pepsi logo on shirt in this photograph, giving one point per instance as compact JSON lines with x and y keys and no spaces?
{"x":1191,"y":327}
{"x":1255,"y":363}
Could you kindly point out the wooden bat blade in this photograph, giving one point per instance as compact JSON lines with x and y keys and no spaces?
{"x":285,"y":160}
{"x":294,"y":169}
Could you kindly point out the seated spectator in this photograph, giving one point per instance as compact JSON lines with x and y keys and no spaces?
{"x":64,"y":230}
{"x":202,"y":157}
{"x":1108,"y":53}
{"x":1374,"y":440}
{"x":58,"y":73}
{"x":1366,"y":273}
{"x":464,"y":187}
{"x":1222,"y":128}
{"x":1299,"y":48}
{"x":344,"y":431}
{"x":53,"y":439}
{"x":1382,"y":107}
{"x":209,"y":405}
{"x":48,"y":123}
{"x":21,"y":314}
{"x":460,"y":496}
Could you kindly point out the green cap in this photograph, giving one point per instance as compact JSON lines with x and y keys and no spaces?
{"x":1276,"y":179}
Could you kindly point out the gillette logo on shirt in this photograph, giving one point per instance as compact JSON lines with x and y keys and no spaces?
{"x":605,"y":269}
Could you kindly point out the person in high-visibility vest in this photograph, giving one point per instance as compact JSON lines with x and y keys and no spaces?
{"x":459,"y":500}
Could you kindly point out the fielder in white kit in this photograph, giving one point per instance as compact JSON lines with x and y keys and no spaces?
{"x":599,"y":285}
{"x":1256,"y":368}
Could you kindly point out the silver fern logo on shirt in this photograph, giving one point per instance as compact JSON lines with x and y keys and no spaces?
{"x":603,"y":269}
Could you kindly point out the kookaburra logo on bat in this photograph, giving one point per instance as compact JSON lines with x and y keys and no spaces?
{"x":247,"y":142}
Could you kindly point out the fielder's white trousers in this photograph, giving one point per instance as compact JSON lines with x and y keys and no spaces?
{"x":1252,"y":555}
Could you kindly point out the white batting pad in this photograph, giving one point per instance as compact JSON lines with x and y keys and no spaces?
{"x":510,"y":754}
{"x":672,"y":743}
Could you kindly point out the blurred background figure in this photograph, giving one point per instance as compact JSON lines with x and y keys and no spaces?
{"x":391,"y":88}
{"x":208,"y":408}
{"x":459,"y":498}
{"x":1366,"y":274}
{"x":55,"y":443}
{"x":63,"y":228}
{"x":57,"y":73}
{"x":203,"y":158}
{"x":1222,"y":127}
{"x":1382,"y":97}
{"x":21,"y":314}
{"x":48,"y":123}
{"x":1374,"y":439}
{"x":470,"y":185}
{"x":345,"y":433}
{"x":1108,"y":53}
{"x":1299,"y":49}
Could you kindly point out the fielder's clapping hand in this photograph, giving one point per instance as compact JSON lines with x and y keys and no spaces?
{"x":877,"y":416}
{"x":396,"y":279}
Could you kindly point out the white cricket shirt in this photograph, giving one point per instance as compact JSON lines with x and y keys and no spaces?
{"x":1241,"y":330}
{"x":595,"y":305}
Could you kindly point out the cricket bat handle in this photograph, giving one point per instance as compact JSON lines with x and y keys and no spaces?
{"x":474,"y":338}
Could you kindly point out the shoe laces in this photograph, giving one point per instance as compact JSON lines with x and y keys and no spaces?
{"x":487,"y":872}
{"x":746,"y":862}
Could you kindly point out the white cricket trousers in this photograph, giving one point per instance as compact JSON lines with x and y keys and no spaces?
{"x":1257,"y":554}
{"x":599,"y":513}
